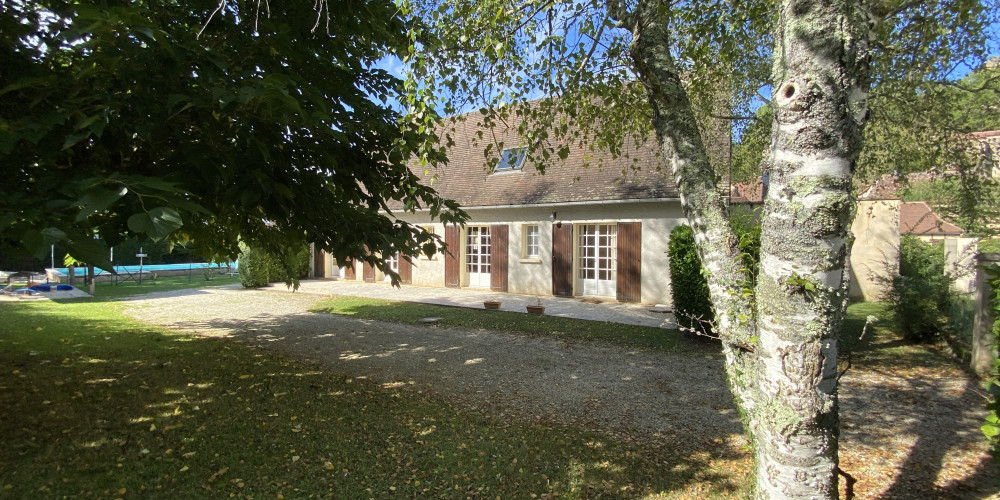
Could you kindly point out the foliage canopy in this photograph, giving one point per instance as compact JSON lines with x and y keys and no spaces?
{"x":267,"y":123}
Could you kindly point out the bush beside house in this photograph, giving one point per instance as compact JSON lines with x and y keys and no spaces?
{"x":259,"y":268}
{"x":692,"y":304}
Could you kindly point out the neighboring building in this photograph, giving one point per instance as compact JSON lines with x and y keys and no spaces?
{"x":598,"y":232}
{"x":917,"y":218}
{"x":989,"y":152}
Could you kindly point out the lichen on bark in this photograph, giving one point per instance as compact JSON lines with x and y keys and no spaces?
{"x":782,"y":362}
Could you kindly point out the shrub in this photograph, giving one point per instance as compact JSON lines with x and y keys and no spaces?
{"x":259,"y":267}
{"x":747,"y":229}
{"x":692,"y":303}
{"x":992,"y":426}
{"x":920,"y":294}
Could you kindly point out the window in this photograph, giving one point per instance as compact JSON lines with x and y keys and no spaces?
{"x":530,"y":241}
{"x":511,"y":159}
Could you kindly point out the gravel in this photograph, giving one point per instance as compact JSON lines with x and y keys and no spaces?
{"x":647,"y":394}
{"x":906,"y":432}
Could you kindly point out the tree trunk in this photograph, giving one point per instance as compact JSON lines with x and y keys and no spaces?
{"x":820,"y":90}
{"x":780,"y":344}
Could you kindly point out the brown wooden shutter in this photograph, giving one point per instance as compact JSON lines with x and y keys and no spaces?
{"x":498,"y":257}
{"x":452,"y":271}
{"x":562,"y":259}
{"x":367,"y":271}
{"x":629,"y":286}
{"x":319,"y":263}
{"x":405,"y":270}
{"x":349,"y":272}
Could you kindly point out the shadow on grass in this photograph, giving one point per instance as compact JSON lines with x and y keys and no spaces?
{"x":632,"y":336}
{"x":918,"y":408}
{"x":97,"y":405}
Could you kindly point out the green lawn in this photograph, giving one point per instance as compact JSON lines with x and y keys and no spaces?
{"x":883,"y":345}
{"x":98,"y":406}
{"x":107,"y":289}
{"x":642,"y":337}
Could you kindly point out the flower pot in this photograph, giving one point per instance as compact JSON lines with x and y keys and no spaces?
{"x":491,"y":304}
{"x":535,"y":309}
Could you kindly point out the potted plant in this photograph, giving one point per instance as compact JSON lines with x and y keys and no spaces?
{"x":491,"y":303}
{"x":536,"y":308}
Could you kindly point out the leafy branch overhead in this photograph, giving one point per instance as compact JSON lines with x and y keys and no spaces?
{"x":624,"y":72}
{"x":115,"y":120}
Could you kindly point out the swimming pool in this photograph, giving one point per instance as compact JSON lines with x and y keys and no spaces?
{"x":174,"y":269}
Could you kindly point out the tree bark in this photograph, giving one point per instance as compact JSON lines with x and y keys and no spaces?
{"x":676,"y":129}
{"x":820,"y":89}
{"x":780,"y":343}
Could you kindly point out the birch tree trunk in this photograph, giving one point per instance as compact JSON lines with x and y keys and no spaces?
{"x":780,"y":345}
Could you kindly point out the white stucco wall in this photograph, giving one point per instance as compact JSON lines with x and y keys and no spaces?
{"x":534,"y":276}
{"x":875,"y":252}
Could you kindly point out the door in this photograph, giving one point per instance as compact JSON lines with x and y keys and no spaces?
{"x":367,"y":271}
{"x":477,"y":256}
{"x":349,"y":272}
{"x":597,"y":262}
{"x":405,"y":270}
{"x":319,"y":263}
{"x":562,"y":259}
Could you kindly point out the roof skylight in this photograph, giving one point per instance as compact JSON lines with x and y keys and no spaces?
{"x":511,"y":159}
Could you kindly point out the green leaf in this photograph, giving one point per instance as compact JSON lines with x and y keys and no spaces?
{"x":98,"y":200}
{"x":73,"y":139}
{"x":90,"y":250}
{"x":156,"y":223}
{"x":990,"y":430}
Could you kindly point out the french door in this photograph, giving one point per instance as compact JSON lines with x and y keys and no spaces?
{"x":477,"y":256}
{"x":597,"y":259}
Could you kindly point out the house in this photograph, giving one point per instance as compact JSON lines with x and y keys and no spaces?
{"x":600,"y":231}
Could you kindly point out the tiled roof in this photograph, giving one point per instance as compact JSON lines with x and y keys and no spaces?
{"x":747,"y":192}
{"x":916,"y":217}
{"x":465,"y":178}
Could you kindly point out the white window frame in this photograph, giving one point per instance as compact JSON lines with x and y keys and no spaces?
{"x":527,"y":245}
{"x":511,"y":160}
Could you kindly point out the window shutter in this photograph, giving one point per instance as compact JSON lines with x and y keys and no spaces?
{"x":405,"y":270}
{"x":498,"y":257}
{"x":562,"y":259}
{"x":629,"y":285}
{"x":367,"y":271}
{"x":451,"y":267}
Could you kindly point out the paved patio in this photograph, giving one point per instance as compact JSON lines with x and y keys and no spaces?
{"x":616,"y":312}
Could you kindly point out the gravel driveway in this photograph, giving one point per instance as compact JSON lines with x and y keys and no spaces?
{"x":903,"y":434}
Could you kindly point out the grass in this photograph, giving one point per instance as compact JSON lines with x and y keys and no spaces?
{"x":883,"y":345}
{"x":107,"y":289}
{"x":631,"y":336}
{"x":98,"y":406}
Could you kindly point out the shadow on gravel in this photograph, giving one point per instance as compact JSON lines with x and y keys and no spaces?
{"x":679,"y":403}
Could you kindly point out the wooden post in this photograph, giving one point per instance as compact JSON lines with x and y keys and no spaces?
{"x":72,"y":272}
{"x":91,"y":280}
{"x":983,"y":351}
